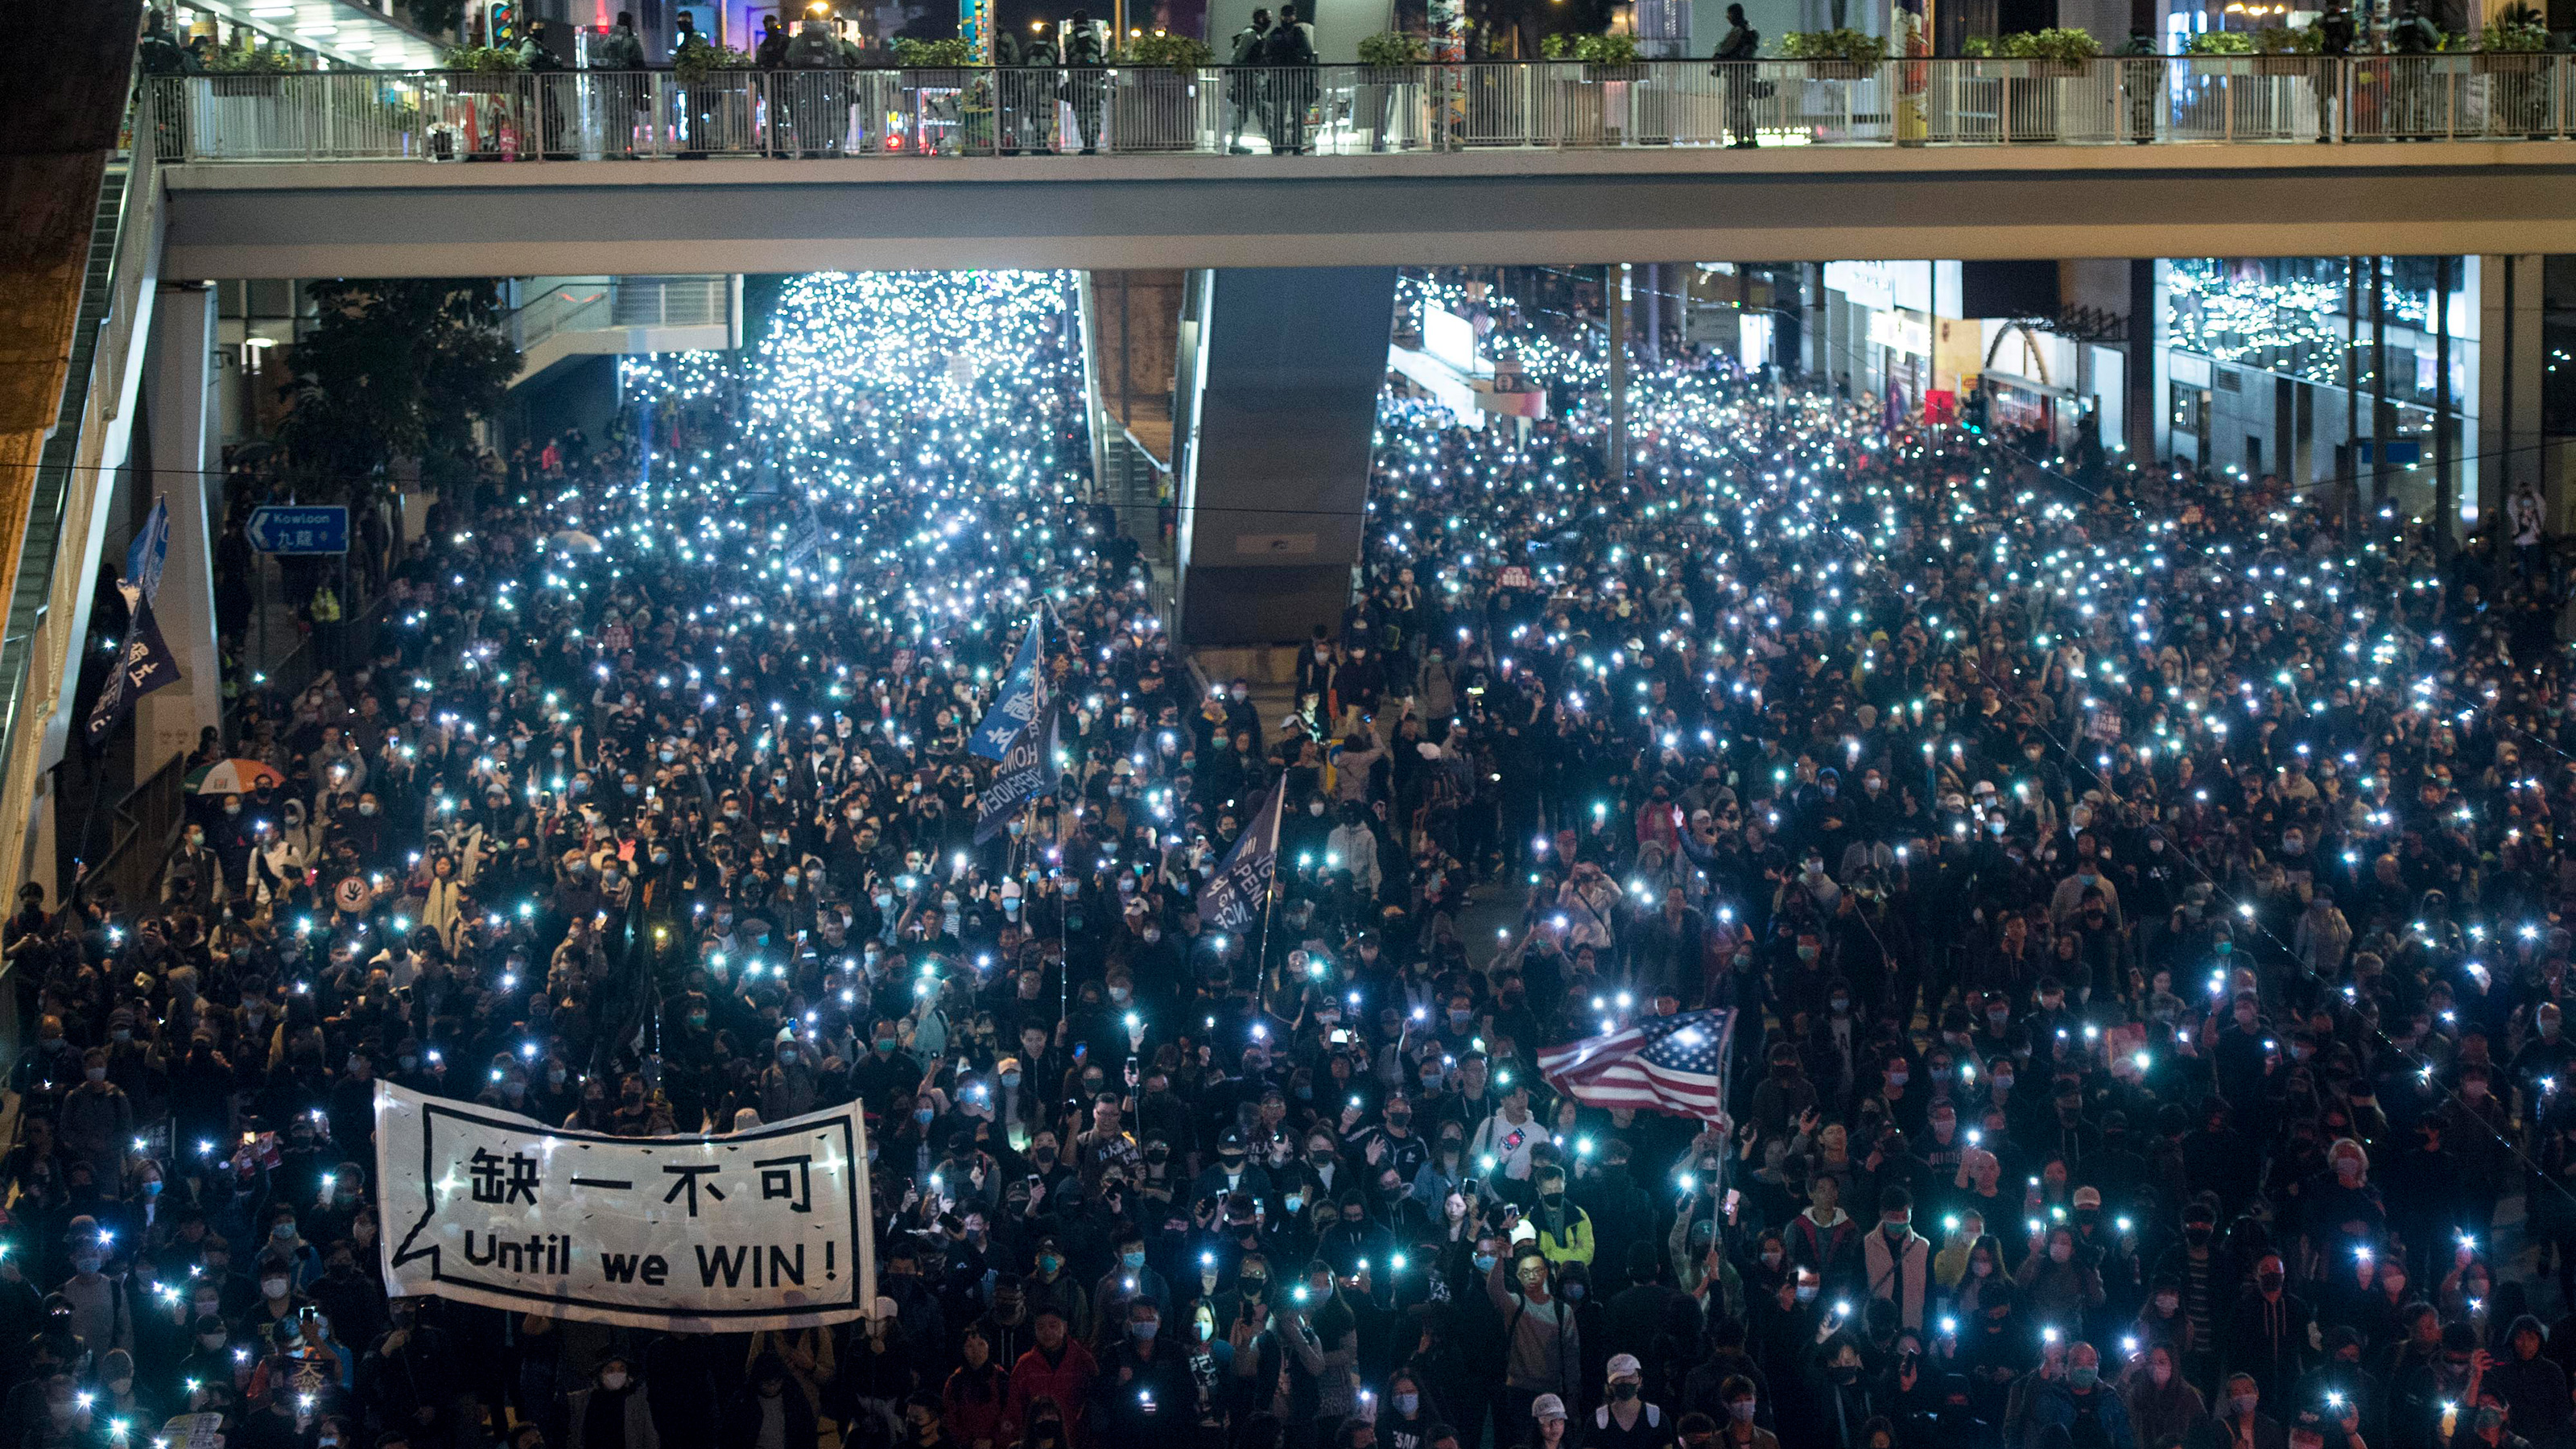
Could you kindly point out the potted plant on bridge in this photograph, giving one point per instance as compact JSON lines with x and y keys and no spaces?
{"x":2055,"y":53}
{"x":2282,"y":51}
{"x":716,"y":98}
{"x":1159,"y":86}
{"x":2031,"y":89}
{"x":1582,"y":64}
{"x":2513,"y":52}
{"x":1391,"y":62}
{"x":250,"y":70}
{"x":2221,"y":53}
{"x":934,"y":76}
{"x":1842,"y":54}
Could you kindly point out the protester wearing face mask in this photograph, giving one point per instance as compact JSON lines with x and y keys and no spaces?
{"x":612,"y":1411}
{"x":1738,"y":1429}
{"x":1625,"y":1420}
{"x":2267,"y":1333}
{"x":2162,"y":1406}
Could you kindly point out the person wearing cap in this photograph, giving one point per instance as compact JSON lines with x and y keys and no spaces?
{"x":1625,"y":1420}
{"x":1547,"y":1423}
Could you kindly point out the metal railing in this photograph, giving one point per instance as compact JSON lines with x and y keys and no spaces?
{"x":618,"y":303}
{"x":1350,"y":109}
{"x":145,"y":828}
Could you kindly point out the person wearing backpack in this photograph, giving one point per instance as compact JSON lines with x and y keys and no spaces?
{"x":1625,"y":1420}
{"x":1031,"y":112}
{"x":1289,"y":52}
{"x":1239,"y":88}
{"x":1083,"y":81}
{"x":1736,"y":51}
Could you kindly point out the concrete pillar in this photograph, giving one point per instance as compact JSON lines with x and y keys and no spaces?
{"x":2507,"y":383}
{"x":1273,"y":465}
{"x":166,"y":721}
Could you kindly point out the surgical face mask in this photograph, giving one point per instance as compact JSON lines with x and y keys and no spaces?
{"x":2244,"y":1404}
{"x":1485,"y":1262}
{"x":2084,"y":1375}
{"x":1133,"y":1259}
{"x":273,"y":1287}
{"x":2061,"y":1252}
{"x":613,"y":1380}
{"x":1740,"y":1410}
{"x":1806,"y":1292}
{"x":1406,"y":1404}
{"x":1145,"y":1329}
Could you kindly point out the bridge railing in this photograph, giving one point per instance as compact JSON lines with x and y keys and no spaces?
{"x":434,"y":116}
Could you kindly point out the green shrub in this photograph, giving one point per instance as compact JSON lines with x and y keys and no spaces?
{"x":1180,"y":53}
{"x":2066,"y":47}
{"x":1394,"y":48}
{"x":1855,"y":47}
{"x":933,"y":54}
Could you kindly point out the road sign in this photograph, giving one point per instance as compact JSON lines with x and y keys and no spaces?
{"x":299,"y":530}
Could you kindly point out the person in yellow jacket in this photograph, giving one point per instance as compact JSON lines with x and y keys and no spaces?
{"x":1564,"y":1230}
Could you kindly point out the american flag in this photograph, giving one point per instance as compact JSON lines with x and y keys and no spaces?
{"x":1674,"y":1064}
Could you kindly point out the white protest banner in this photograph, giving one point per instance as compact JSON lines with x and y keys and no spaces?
{"x":769,"y":1228}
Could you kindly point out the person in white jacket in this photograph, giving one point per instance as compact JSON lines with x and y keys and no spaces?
{"x":1352,"y":846}
{"x":1506,"y":1137}
{"x":1897,"y":1259}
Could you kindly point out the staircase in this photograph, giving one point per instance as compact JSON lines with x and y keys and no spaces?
{"x":1131,"y":482}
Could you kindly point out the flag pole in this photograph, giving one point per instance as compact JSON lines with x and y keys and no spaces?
{"x":1270,"y":895}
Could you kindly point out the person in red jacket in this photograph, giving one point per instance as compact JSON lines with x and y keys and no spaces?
{"x":1059,"y":1369}
{"x":975,"y":1396}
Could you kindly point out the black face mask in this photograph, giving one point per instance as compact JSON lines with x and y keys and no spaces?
{"x":2197,"y":1234}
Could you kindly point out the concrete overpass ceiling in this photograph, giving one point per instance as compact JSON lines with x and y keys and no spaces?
{"x":397,"y":218}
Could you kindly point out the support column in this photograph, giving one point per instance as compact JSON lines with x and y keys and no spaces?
{"x":2507,"y":375}
{"x":166,"y":721}
{"x":1273,"y":469}
{"x":2138,"y":412}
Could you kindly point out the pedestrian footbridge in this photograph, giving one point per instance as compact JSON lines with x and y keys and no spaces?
{"x":423,"y":173}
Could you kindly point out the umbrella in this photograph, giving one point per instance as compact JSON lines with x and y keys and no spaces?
{"x":575,"y":540}
{"x":232,"y":777}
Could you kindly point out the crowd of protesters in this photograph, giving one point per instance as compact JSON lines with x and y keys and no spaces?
{"x":2134,"y":898}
